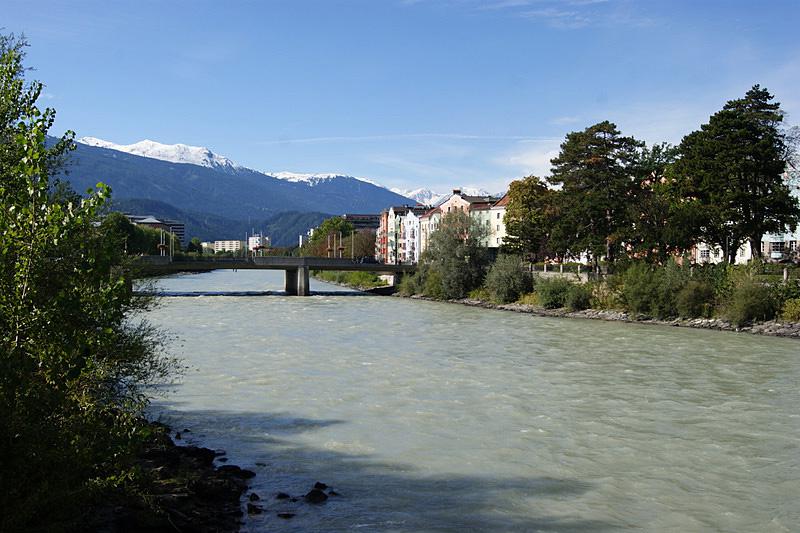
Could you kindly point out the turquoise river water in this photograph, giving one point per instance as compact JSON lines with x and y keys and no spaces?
{"x":436,"y":417}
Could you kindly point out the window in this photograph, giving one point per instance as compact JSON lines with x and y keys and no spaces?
{"x":498,"y":215}
{"x":498,"y":227}
{"x":793,"y":245}
{"x":777,"y":246}
{"x":705,"y":254}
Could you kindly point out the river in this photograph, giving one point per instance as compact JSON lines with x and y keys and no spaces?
{"x":428,"y":416}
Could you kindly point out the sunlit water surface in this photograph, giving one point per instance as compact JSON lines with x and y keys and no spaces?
{"x":436,"y":417}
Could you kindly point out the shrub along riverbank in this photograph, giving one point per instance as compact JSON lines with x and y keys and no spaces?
{"x":356,"y":280}
{"x":715,"y":296}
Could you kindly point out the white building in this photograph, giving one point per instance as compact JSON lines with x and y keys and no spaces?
{"x":256,"y":242}
{"x":411,"y":237}
{"x":228,"y":246}
{"x":705,"y":253}
{"x":497,"y":218}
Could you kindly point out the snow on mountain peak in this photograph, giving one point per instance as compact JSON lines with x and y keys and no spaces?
{"x":422,"y":195}
{"x":315,"y":179}
{"x":174,"y":153}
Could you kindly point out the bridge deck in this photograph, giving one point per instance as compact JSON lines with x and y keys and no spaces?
{"x":268,"y":263}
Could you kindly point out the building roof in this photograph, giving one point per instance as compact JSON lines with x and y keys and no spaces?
{"x":502,"y":202}
{"x":431,"y":212}
{"x":147,"y":220}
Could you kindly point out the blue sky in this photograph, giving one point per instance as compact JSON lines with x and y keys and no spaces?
{"x":409,"y":93}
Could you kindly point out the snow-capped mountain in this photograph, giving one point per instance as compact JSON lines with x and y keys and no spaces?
{"x":315,"y":179}
{"x":174,"y":153}
{"x":428,"y":197}
{"x":421,"y":196}
{"x":202,"y":156}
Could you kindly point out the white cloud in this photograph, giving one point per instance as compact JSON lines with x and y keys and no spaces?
{"x":563,"y":121}
{"x":530,"y":157}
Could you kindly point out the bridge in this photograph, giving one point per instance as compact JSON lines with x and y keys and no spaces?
{"x":296,"y":269}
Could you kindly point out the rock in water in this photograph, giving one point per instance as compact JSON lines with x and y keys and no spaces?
{"x":236,"y":471}
{"x":254,"y":497}
{"x":286,"y":515}
{"x":253,"y":509}
{"x":320,"y":486}
{"x":282,"y":496}
{"x":315,"y":496}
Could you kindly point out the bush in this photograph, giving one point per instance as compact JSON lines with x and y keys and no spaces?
{"x":749,"y":301}
{"x":578,"y":297}
{"x":507,"y":280}
{"x":432,"y":286}
{"x":552,"y":292}
{"x":640,"y":288}
{"x":480,"y":294}
{"x":653,"y":290}
{"x":409,"y":285}
{"x":361,"y":280}
{"x":528,"y":299}
{"x":695,"y":299}
{"x":791,"y":310}
{"x":606,"y":294}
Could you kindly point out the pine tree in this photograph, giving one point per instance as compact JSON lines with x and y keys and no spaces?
{"x":594,"y":171}
{"x":734,"y":168}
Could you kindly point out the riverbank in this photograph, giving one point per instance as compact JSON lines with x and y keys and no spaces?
{"x":181,"y":490}
{"x":771,"y":328}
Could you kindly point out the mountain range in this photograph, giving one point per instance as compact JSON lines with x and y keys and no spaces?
{"x":217,"y":198}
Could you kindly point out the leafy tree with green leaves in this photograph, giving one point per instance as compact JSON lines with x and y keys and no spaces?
{"x":72,"y":364}
{"x":330,"y":227}
{"x":455,"y":257}
{"x":594,"y":171}
{"x":133,"y":239}
{"x":531,"y":218}
{"x":195,"y":246}
{"x":733,"y":168}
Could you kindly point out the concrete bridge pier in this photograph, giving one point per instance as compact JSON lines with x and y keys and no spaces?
{"x":295,"y":281}
{"x":290,"y":281}
{"x":303,"y":287}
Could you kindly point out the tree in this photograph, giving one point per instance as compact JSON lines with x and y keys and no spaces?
{"x":662,"y":222}
{"x":133,"y":239}
{"x":71,"y":365}
{"x":733,"y":167}
{"x":594,"y":170}
{"x":455,"y":256}
{"x":195,"y":246}
{"x":330,"y":227}
{"x":529,"y":217}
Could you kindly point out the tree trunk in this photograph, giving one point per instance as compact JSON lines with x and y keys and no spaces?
{"x":755,"y":247}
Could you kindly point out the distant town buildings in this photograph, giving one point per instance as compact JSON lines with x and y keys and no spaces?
{"x":404,"y":231}
{"x":170,"y":226}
